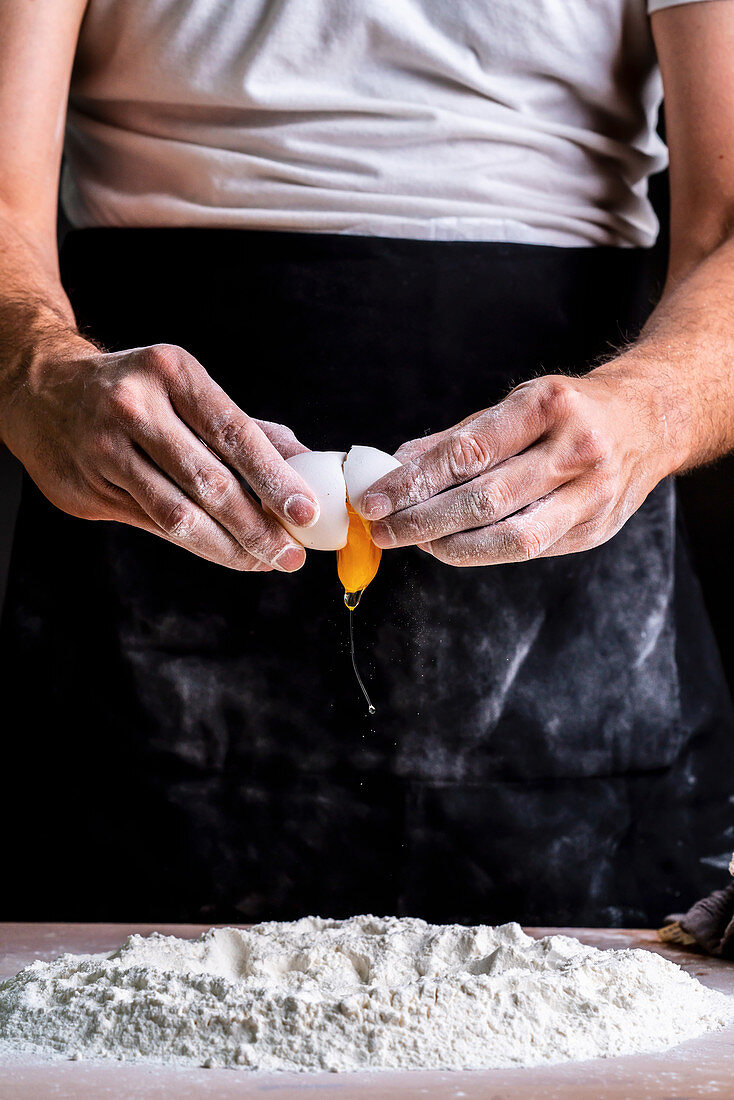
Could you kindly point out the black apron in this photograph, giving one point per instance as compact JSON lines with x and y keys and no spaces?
{"x":553,"y":740}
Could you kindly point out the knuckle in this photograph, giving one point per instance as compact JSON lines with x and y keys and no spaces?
{"x":589,"y":447}
{"x":163,"y":358}
{"x":104,"y":449}
{"x":212,"y":485}
{"x":126,"y":401}
{"x":556,"y":397}
{"x":111,"y":492}
{"x":414,"y":480}
{"x":504,"y":498}
{"x":468,"y":453}
{"x":231,"y":435}
{"x":248,"y":541}
{"x":410,"y":525}
{"x":529,"y":542}
{"x":263,"y":542}
{"x":481,"y":506}
{"x":178,"y":520}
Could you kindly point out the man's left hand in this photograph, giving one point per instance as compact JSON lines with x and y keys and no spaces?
{"x":556,"y":468}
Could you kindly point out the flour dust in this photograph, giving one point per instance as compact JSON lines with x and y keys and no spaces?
{"x":364,"y":993}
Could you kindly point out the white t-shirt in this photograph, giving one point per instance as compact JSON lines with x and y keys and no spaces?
{"x":516,"y":120}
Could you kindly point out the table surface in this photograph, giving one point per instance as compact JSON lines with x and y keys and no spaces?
{"x":702,"y":1067}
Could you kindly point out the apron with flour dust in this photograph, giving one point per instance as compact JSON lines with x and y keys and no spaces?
{"x":553,"y":739}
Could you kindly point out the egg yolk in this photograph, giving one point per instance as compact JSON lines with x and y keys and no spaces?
{"x":358,"y":561}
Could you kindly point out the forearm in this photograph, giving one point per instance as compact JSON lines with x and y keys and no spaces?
{"x":35,"y":314}
{"x":681,"y":369}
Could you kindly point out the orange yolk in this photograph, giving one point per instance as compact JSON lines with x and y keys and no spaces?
{"x":358,"y":561}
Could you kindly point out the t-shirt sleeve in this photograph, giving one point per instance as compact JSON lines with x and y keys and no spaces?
{"x":656,"y":5}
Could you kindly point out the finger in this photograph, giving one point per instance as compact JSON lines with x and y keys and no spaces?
{"x":123,"y":509}
{"x":415,"y":447}
{"x":597,"y":529}
{"x":479,"y":444}
{"x":528,"y":534}
{"x":242,"y":444}
{"x":509,"y":487}
{"x":282,"y":438}
{"x":208,"y":482}
{"x":180,"y":519}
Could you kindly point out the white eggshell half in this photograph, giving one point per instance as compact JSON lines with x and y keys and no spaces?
{"x":364,"y":466}
{"x":322,"y":472}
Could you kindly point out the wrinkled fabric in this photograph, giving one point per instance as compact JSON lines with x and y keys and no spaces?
{"x":553,"y":739}
{"x":711,"y":922}
{"x":467,"y":120}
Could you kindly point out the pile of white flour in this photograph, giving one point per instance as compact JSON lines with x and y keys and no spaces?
{"x":364,"y":993}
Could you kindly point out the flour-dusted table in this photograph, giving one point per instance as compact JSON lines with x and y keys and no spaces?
{"x":701,"y":1068}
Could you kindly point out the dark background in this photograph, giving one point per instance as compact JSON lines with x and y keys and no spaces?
{"x":9,"y":495}
{"x":705,"y":497}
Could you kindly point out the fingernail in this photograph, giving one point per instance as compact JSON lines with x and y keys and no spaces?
{"x":382,"y":534}
{"x":376,"y":505}
{"x":290,"y":559}
{"x":300,"y":510}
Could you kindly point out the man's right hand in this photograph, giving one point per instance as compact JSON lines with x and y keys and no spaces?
{"x":147,"y":438}
{"x":115,"y":436}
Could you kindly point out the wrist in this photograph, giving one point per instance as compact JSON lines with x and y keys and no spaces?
{"x":38,"y":341}
{"x":649,"y":398}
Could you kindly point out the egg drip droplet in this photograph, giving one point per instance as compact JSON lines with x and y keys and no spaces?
{"x":357,"y":563}
{"x":370,"y":704}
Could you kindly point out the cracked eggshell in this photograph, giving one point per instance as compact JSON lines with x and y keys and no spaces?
{"x":331,"y":475}
{"x":322,"y":472}
{"x":364,"y":466}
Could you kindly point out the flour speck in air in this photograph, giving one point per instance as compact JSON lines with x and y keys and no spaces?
{"x":364,"y":993}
